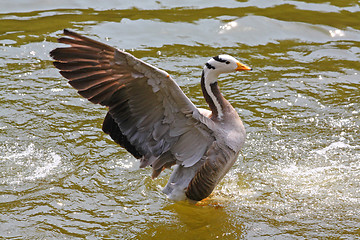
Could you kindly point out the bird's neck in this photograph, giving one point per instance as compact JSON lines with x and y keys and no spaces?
{"x":213,"y":96}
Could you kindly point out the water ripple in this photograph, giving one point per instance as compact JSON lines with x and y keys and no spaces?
{"x":297,"y":176}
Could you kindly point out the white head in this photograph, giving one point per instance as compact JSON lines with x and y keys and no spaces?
{"x":222,"y":64}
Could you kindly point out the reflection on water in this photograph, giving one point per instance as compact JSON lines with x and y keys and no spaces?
{"x":193,"y":221}
{"x":297,"y":176}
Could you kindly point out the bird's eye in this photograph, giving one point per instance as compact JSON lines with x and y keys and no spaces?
{"x":227,"y":62}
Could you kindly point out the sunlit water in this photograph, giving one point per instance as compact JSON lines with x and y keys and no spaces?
{"x":298,"y":176}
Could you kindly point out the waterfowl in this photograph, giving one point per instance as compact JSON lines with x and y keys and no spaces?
{"x":151,"y":117}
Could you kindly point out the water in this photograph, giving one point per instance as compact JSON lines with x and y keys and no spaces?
{"x":298,"y":176}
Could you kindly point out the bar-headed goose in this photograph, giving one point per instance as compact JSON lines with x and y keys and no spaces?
{"x":151,"y":117}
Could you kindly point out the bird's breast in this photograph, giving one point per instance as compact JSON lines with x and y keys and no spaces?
{"x":231,"y":134}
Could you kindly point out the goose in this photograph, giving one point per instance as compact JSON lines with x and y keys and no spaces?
{"x":151,"y":117}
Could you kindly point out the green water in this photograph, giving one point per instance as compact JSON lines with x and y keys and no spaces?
{"x":298,"y":176}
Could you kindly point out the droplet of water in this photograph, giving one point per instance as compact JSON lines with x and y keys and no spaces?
{"x":336,"y":33}
{"x":228,"y":26}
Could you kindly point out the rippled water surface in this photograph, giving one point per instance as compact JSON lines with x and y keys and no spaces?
{"x":298,"y":176}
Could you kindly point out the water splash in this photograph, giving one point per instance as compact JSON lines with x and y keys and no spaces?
{"x":332,"y":146}
{"x":310,"y":180}
{"x":27,"y":164}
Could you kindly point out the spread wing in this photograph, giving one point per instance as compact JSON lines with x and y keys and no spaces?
{"x":149,"y":114}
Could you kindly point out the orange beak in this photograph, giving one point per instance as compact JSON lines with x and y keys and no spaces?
{"x":242,"y":67}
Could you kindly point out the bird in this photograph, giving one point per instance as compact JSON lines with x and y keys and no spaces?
{"x":152,"y":118}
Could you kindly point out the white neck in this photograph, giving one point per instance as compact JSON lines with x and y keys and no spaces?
{"x":210,"y":77}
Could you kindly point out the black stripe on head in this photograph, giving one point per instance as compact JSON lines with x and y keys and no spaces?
{"x":217,"y":58}
{"x":209,"y":66}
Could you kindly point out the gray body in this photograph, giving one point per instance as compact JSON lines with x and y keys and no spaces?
{"x":151,"y":117}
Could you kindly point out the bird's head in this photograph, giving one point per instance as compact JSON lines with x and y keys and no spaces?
{"x":223,"y":64}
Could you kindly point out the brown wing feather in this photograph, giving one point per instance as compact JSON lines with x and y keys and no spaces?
{"x":148,"y":112}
